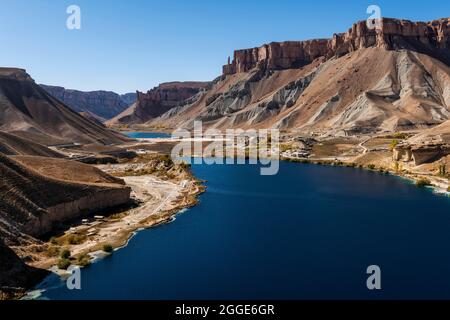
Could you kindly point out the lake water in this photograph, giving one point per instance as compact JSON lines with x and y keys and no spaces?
{"x":309,"y":232}
{"x":147,"y":135}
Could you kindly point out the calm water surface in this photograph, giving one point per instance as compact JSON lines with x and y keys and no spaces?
{"x":148,"y":135}
{"x":309,"y":232}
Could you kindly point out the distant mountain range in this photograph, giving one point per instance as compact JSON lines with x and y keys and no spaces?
{"x":104,"y":104}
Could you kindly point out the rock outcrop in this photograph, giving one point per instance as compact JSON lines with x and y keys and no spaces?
{"x":104,"y":104}
{"x":395,"y":77}
{"x":429,"y":153}
{"x":158,"y":100}
{"x":15,"y":275}
{"x":392,"y":34}
{"x":426,"y":147}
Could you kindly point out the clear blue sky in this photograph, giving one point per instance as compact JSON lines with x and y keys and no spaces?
{"x":136,"y":44}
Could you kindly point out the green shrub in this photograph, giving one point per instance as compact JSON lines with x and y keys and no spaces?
{"x":74,"y":239}
{"x":53,"y":251}
{"x":423,"y":182}
{"x":108,"y":248}
{"x":394,"y":144}
{"x":396,"y":166}
{"x":84,"y":260}
{"x":442,"y":170}
{"x":400,"y":135}
{"x":371,"y":166}
{"x":65,"y":254}
{"x":64,"y":264}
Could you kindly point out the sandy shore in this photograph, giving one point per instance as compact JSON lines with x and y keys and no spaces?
{"x":160,"y":200}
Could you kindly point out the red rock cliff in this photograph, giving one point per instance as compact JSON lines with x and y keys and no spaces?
{"x":157,"y":101}
{"x":392,"y":34}
{"x":164,"y":97}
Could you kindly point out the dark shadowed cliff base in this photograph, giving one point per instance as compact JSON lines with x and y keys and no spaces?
{"x":15,"y":275}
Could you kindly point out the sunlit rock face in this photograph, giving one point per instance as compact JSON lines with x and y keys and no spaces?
{"x":391,"y":34}
{"x":158,"y":100}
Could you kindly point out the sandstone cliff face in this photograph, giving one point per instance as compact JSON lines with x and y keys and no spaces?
{"x":393,"y":78}
{"x":426,"y":147}
{"x":278,"y":55}
{"x":393,"y":34}
{"x":159,"y":100}
{"x":105,"y":104}
{"x":128,"y":98}
{"x":65,"y":211}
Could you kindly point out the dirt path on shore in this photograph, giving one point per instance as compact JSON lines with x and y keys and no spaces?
{"x":159,"y":200}
{"x":157,"y":197}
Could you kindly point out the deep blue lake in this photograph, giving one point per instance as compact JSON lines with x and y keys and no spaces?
{"x":309,"y":232}
{"x":148,"y":135}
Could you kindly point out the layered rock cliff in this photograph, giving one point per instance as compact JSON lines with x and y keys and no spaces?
{"x":390,"y":78}
{"x":32,"y":203}
{"x":105,"y":104}
{"x":391,"y":34}
{"x":426,"y":147}
{"x":158,"y":100}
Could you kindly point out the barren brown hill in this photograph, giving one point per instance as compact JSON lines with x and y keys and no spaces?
{"x":104,"y":104}
{"x":32,"y":203}
{"x":29,"y":111}
{"x":393,"y":78}
{"x":66,"y":170}
{"x":14,"y":145}
{"x":158,"y":101}
{"x":93,"y":118}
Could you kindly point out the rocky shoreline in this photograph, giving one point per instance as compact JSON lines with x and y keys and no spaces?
{"x":435,"y":186}
{"x":160,"y":188}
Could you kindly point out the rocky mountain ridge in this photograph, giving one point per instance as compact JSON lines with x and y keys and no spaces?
{"x":392,"y":34}
{"x":391,"y":78}
{"x":105,"y":104}
{"x":158,"y":100}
